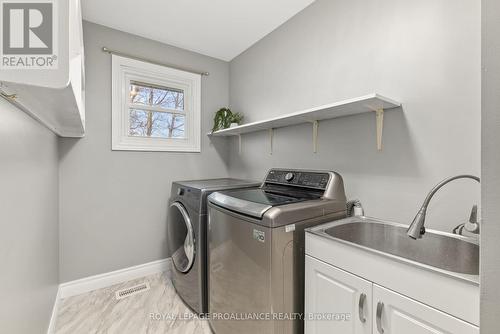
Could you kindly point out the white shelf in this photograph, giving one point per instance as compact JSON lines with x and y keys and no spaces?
{"x":364,"y":104}
{"x":55,"y":97}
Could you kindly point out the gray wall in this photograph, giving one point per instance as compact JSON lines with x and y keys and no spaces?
{"x":29,"y":237}
{"x":114,"y":203}
{"x":490,"y":234}
{"x":425,"y":54}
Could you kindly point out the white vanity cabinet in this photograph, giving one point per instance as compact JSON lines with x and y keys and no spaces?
{"x":372,"y":308}
{"x":334,"y":292}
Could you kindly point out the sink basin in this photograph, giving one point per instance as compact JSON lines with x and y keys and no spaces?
{"x":437,"y":249}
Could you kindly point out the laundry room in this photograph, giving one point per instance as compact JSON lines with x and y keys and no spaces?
{"x":274,"y":167}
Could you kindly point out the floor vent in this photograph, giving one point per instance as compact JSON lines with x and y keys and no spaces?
{"x":133,"y":290}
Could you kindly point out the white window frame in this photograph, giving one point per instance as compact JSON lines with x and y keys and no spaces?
{"x":126,"y":70}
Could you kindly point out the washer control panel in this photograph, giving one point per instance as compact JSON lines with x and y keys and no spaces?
{"x":310,"y":179}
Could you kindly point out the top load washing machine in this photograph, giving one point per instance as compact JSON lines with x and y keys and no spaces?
{"x":187,"y":233}
{"x":257,"y":251}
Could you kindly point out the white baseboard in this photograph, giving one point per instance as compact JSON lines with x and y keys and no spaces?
{"x":91,"y":283}
{"x":55,"y":309}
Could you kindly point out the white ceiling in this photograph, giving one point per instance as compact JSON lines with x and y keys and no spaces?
{"x":218,"y":28}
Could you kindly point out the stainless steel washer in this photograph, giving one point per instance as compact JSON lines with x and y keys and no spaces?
{"x":256,"y":249}
{"x":187,"y":236}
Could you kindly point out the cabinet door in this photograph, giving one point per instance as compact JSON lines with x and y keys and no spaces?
{"x":397,"y":314}
{"x":336,"y":302}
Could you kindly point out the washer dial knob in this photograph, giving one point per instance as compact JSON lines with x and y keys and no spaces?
{"x":289,"y":177}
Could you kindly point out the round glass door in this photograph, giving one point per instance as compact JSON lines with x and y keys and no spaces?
{"x":181,"y":239}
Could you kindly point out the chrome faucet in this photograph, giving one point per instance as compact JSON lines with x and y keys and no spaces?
{"x":417,"y":228}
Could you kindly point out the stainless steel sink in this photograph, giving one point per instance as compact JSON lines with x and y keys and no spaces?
{"x":442,"y":250}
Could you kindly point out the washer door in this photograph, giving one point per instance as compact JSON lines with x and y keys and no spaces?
{"x":181,"y":237}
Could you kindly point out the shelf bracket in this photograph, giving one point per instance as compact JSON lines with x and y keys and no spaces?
{"x":239,"y":143}
{"x":380,"y":127}
{"x":7,"y":96}
{"x":315,"y":136}
{"x":271,"y":135}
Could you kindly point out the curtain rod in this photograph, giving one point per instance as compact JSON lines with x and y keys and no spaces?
{"x":118,"y":53}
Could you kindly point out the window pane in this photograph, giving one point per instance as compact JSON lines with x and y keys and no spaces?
{"x":157,"y":96}
{"x":144,"y":123}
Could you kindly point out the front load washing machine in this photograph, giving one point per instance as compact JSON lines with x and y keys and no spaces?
{"x":187,"y":236}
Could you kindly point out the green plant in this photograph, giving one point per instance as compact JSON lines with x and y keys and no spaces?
{"x":222,"y":119}
{"x":237,"y":118}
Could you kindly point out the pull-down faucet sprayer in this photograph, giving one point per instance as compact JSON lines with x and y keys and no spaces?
{"x":417,"y":227}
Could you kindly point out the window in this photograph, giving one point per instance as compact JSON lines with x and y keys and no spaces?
{"x":155,"y":108}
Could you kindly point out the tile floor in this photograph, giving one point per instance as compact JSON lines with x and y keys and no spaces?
{"x":99,"y":312}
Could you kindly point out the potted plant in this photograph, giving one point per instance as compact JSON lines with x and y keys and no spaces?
{"x":236,"y":119}
{"x":225,"y":118}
